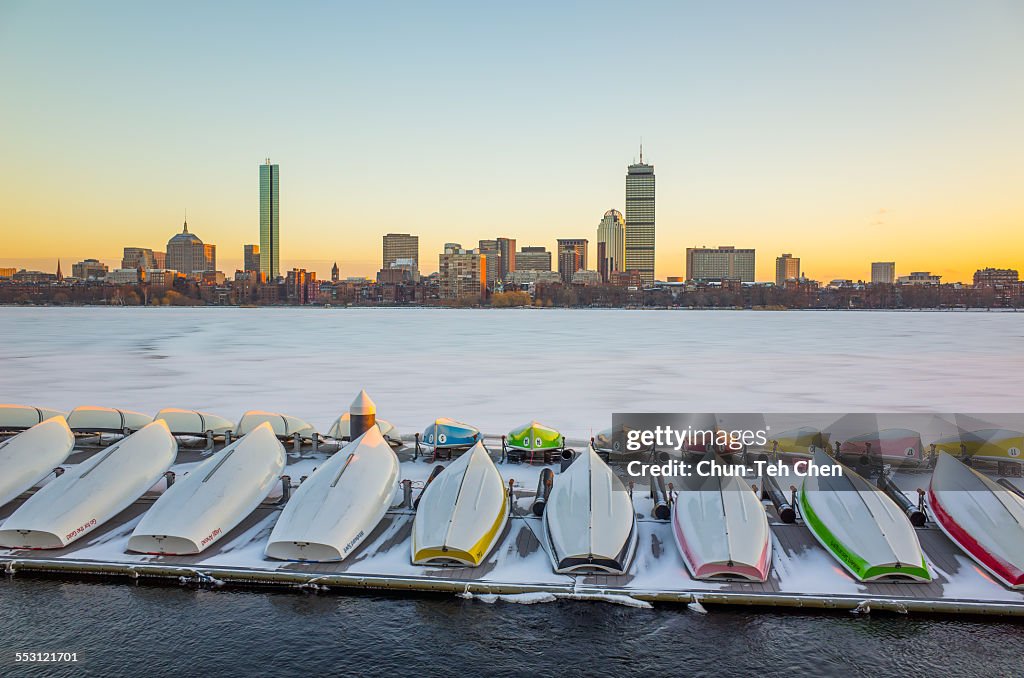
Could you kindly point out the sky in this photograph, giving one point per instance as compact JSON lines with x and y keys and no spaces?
{"x":843,"y":133}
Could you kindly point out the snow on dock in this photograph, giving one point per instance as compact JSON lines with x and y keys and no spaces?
{"x":803,"y":574}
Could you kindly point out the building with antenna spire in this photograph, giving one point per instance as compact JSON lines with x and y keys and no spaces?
{"x":187,"y":254}
{"x":640,"y":236}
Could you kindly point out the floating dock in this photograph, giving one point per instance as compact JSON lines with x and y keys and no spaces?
{"x":803,"y":574}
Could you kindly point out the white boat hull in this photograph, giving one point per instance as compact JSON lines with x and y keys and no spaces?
{"x":32,"y":455}
{"x":89,"y":494}
{"x":589,"y":520}
{"x":203,"y":506}
{"x":339,"y":505}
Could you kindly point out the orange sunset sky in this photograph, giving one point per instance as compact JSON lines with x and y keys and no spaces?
{"x":842,"y":134}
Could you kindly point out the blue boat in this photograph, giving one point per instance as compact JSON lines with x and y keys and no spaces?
{"x":447,"y":434}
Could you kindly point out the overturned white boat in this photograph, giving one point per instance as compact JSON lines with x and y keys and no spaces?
{"x":214,"y":497}
{"x":31,"y":455}
{"x":339,"y":505}
{"x":21,"y":417}
{"x":91,"y":493}
{"x":462,"y":512}
{"x":106,"y":420}
{"x":589,"y":521}
{"x":285,"y":426}
{"x":721,"y":528}
{"x":193,"y":422}
{"x":342,"y":427}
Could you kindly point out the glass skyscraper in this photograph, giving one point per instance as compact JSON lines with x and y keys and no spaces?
{"x":640,"y":219}
{"x":270,"y":226}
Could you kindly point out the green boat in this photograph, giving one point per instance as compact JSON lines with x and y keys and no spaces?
{"x":859,"y":525}
{"x":534,"y":437}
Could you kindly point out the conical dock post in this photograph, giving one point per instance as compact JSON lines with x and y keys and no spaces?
{"x":362,"y":415}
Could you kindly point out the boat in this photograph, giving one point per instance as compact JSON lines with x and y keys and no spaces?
{"x":193,"y":422}
{"x":614,"y":441}
{"x":897,"y":446}
{"x":284,"y":426}
{"x":21,"y":417}
{"x":462,"y":512}
{"x":983,"y":518}
{"x":30,"y":456}
{"x":799,"y":443}
{"x":721,"y":527}
{"x":589,"y":521}
{"x":448,"y":434}
{"x":859,"y":525}
{"x":214,"y":497}
{"x":991,"y":444}
{"x":340,"y":504}
{"x":534,"y":437}
{"x":340,"y":430}
{"x":89,"y":494}
{"x":106,"y":420}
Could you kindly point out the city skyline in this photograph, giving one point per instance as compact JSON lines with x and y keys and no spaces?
{"x":897,"y":141}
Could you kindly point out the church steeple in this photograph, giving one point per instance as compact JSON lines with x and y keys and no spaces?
{"x":60,"y":276}
{"x":335,"y":273}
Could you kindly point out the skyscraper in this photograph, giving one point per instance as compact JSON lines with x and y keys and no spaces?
{"x":251,"y":258}
{"x":572,"y":257}
{"x":787,"y":267}
{"x":401,"y":246}
{"x":639,"y":245}
{"x":187,"y":254}
{"x":533,"y":259}
{"x":270,"y":225}
{"x":611,"y":244}
{"x":507,"y":250}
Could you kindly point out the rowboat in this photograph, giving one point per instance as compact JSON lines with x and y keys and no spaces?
{"x":799,"y":443}
{"x":898,"y":446}
{"x":106,"y":420}
{"x":534,"y":437}
{"x":462,"y":513}
{"x":859,"y":525}
{"x":991,"y":445}
{"x":447,"y":434}
{"x":89,"y":494}
{"x":721,"y":528}
{"x":214,"y":497}
{"x":285,"y":426}
{"x":589,"y":522}
{"x":21,"y":417}
{"x":983,"y":518}
{"x":193,"y":422}
{"x":31,"y":455}
{"x":340,"y":430}
{"x":339,"y":505}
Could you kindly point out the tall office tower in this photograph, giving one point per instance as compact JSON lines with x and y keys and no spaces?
{"x":138,"y":257}
{"x":611,"y":244}
{"x":270,"y":222}
{"x":187,"y":254}
{"x":883,"y":272}
{"x":722,"y":263}
{"x":572,"y":257}
{"x":490,"y":249}
{"x":401,"y":246}
{"x":787,"y":267}
{"x":639,"y":254}
{"x":251,"y":258}
{"x":507,"y":250}
{"x":533,"y":259}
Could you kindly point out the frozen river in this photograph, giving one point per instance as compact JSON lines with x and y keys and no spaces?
{"x":499,"y":368}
